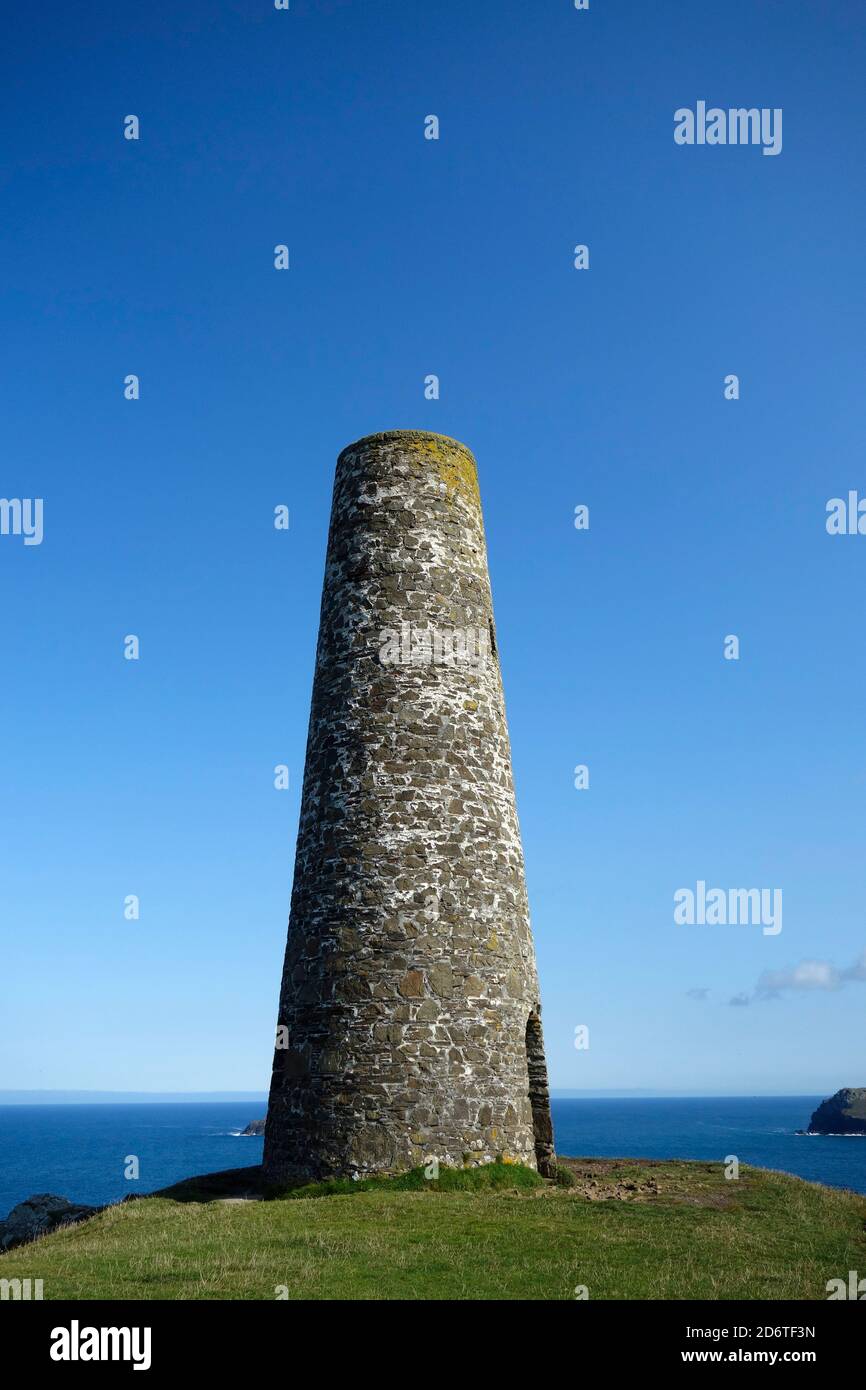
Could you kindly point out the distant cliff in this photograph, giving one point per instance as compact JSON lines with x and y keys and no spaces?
{"x":844,"y":1113}
{"x":254,"y":1127}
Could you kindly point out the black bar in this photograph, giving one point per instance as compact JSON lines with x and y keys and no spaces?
{"x":245,"y":1338}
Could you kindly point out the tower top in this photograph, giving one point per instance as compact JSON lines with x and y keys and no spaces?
{"x":407,"y":438}
{"x":420,"y":451}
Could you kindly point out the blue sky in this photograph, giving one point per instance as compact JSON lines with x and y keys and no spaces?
{"x":602,"y":387}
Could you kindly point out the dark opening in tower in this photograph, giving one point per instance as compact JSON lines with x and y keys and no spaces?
{"x":539,"y":1096}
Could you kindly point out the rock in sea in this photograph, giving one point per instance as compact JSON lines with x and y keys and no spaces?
{"x":844,"y":1113}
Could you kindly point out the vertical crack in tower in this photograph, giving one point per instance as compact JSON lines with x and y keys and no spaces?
{"x":409,"y":1018}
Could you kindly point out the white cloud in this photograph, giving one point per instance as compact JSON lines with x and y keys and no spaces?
{"x":808,"y":975}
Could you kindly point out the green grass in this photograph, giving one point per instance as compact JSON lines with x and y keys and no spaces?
{"x":493,"y":1177}
{"x":626,"y":1229}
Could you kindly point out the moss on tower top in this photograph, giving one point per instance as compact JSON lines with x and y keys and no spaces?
{"x":453,"y":461}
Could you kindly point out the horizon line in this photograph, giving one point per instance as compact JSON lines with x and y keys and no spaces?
{"x":57,"y":1095}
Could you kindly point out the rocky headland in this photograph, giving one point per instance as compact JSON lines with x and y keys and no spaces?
{"x":843,"y":1113}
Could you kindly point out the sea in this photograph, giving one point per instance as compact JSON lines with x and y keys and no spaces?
{"x":83,"y":1151}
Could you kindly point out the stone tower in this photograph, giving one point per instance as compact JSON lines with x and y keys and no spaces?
{"x":409,"y":1017}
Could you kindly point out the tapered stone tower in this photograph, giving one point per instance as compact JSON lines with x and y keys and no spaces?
{"x":409,"y":1018}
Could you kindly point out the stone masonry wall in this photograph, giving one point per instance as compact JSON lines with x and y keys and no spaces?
{"x":409,"y":983}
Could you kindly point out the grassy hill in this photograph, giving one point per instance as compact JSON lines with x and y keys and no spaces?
{"x":624,"y":1228}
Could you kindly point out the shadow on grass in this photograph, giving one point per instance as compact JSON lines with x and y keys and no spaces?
{"x":248,"y":1184}
{"x":240,"y":1184}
